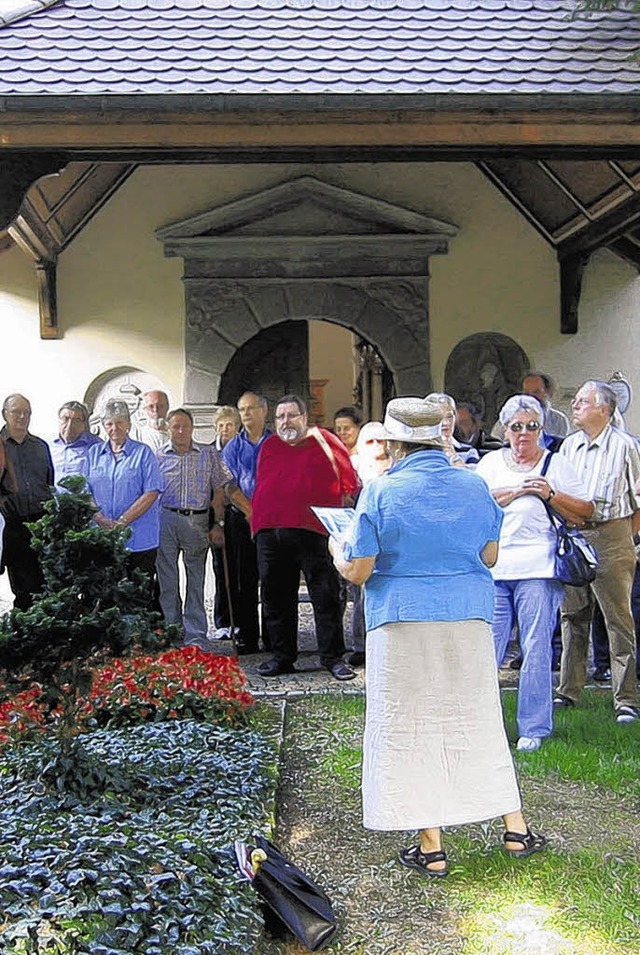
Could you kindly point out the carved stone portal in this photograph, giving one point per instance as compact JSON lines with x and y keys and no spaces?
{"x":306,"y":250}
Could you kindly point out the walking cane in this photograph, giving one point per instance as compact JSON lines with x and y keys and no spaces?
{"x":227,"y":587}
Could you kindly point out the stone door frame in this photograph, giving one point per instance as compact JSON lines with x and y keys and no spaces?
{"x":306,"y":250}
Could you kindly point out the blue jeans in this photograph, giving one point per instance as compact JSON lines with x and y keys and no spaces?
{"x":534,"y":605}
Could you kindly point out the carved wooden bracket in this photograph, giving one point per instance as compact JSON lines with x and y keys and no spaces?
{"x":18,"y":171}
{"x":47,"y":299}
{"x":571,"y":271}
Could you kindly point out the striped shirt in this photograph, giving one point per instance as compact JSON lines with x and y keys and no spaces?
{"x":609,"y":467}
{"x":191,"y":478}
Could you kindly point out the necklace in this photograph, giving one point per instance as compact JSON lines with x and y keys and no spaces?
{"x":514,"y":465}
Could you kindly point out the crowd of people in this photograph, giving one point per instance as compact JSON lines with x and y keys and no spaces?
{"x":247,"y":498}
{"x":449,"y":556}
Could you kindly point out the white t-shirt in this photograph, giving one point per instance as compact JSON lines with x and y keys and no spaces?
{"x":527,"y":539}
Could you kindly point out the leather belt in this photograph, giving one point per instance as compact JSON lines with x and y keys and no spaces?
{"x":593,"y":525}
{"x":186,"y":512}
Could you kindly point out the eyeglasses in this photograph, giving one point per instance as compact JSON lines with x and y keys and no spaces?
{"x":518,"y":426}
{"x":288,"y":417}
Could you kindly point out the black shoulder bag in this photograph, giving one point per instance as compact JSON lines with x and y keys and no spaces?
{"x":575,"y":559}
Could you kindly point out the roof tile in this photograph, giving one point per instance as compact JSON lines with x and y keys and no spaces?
{"x":315,"y":46}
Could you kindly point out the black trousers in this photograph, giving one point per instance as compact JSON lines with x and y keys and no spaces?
{"x":242,"y":558}
{"x":21,"y":561}
{"x":221,"y":615}
{"x":282,"y":554}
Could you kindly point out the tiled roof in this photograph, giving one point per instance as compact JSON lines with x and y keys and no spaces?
{"x":97,"y":47}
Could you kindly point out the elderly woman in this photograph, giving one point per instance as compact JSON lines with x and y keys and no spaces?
{"x":460,"y":455}
{"x":125,"y":481}
{"x":226,"y":424}
{"x":435,"y":750}
{"x":526,"y":592}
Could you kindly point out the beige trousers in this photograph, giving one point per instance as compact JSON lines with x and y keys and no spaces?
{"x":612,"y":589}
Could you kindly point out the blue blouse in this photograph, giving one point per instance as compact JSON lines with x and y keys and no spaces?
{"x":426,"y":523}
{"x":116,"y":482}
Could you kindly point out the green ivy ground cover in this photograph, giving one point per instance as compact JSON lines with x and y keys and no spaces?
{"x":148,"y":869}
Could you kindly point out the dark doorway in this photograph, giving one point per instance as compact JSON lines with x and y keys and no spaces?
{"x":273,"y":363}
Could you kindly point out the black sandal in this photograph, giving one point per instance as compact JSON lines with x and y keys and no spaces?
{"x":415,"y":858}
{"x":530,"y":841}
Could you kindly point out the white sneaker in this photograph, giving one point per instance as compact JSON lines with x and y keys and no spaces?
{"x":627,"y":714}
{"x":221,"y":634}
{"x":529,"y":744}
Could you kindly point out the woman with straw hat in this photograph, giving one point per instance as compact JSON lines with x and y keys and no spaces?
{"x":435,"y":750}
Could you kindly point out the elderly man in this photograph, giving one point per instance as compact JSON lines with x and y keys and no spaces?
{"x":608,"y":461}
{"x":299,"y":467}
{"x":469,"y":429}
{"x":195,"y":478}
{"x":26,"y":485}
{"x":241,"y":456}
{"x":155,"y":405}
{"x":541,"y":386}
{"x":74,"y":439}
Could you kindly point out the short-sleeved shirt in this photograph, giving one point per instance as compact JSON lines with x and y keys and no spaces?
{"x":527,"y":538}
{"x":426,"y":524}
{"x":117,"y":481}
{"x":67,"y":458}
{"x":609,"y":467}
{"x":241,"y":456}
{"x":191,"y":478}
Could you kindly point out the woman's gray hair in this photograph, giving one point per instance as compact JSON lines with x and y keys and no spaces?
{"x":226,"y":413}
{"x":442,"y":399}
{"x":512,"y":406}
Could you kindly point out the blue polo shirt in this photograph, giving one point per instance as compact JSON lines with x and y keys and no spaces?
{"x":241,"y":457}
{"x":116,"y":482}
{"x":426,"y":523}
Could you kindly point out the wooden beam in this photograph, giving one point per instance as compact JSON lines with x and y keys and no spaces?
{"x":269,"y":126}
{"x":47,"y":299}
{"x":605,"y":230}
{"x":571,"y":271}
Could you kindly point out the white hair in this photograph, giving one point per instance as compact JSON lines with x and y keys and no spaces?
{"x":527,"y":403}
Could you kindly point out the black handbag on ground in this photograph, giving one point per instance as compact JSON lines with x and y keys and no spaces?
{"x":298,"y":902}
{"x":575,"y":559}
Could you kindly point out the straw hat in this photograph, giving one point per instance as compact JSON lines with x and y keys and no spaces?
{"x":415,"y":421}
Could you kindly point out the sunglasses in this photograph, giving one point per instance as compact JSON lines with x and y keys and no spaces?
{"x":518,"y":426}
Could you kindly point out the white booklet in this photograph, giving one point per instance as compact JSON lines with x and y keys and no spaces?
{"x":337,"y":520}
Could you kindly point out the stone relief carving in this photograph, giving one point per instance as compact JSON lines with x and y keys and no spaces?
{"x":485,"y":369}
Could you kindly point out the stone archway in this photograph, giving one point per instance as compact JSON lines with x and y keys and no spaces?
{"x":306,"y":250}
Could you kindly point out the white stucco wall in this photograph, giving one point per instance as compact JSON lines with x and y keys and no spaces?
{"x":121,"y":302}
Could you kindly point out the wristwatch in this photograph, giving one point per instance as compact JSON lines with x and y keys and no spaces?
{"x":220,"y":523}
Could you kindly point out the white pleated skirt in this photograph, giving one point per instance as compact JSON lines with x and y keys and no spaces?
{"x":435,"y":748}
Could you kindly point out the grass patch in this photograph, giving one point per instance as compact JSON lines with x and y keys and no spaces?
{"x":578,"y":903}
{"x":587,"y":746}
{"x":577,"y":898}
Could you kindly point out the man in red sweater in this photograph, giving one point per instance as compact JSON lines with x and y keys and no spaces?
{"x":297,"y":467}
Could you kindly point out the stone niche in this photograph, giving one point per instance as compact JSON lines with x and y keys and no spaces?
{"x":306,"y":250}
